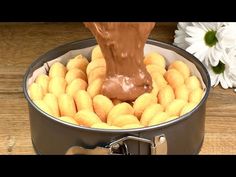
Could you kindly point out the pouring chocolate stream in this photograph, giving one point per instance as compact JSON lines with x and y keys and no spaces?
{"x":122,"y":45}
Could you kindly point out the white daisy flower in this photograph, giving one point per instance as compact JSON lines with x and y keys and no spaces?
{"x":214,"y":44}
{"x":232,"y":68}
{"x":224,"y":73}
{"x":203,"y":42}
{"x":227,"y":35}
{"x":180,"y":35}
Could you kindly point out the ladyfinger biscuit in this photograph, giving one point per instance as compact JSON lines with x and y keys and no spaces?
{"x":51,"y":101}
{"x":192,"y":83}
{"x":83,"y":100}
{"x":43,"y":81}
{"x":97,"y":53}
{"x":75,"y":85}
{"x":119,"y":109}
{"x":182,"y":92}
{"x":150,"y":112}
{"x":75,"y":73}
{"x":35,"y":91}
{"x":174,"y":108}
{"x":95,"y":64}
{"x":86,"y":118}
{"x":57,"y":86}
{"x":102,"y":106}
{"x":155,"y":58}
{"x":125,"y":119}
{"x":68,"y":119}
{"x":159,"y":118}
{"x":66,"y":105}
{"x":195,"y":95}
{"x":142,"y":102}
{"x":57,"y":70}
{"x":174,"y":78}
{"x":181,"y":67}
{"x":79,"y":62}
{"x":166,"y":95}
{"x":43,"y":106}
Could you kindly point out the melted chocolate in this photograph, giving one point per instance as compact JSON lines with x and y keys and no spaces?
{"x":122,"y":45}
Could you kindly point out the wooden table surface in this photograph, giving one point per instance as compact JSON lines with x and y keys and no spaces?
{"x":22,"y":43}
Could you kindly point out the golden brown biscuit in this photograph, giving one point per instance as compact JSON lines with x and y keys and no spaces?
{"x":57,"y":86}
{"x":142,"y":102}
{"x":79,"y":62}
{"x":75,"y":85}
{"x":75,"y":73}
{"x":174,"y":108}
{"x":151,"y":68}
{"x":159,"y":79}
{"x":187,"y":108}
{"x":150,"y":112}
{"x":161,"y":117}
{"x":83,"y":100}
{"x":155,"y":58}
{"x":57,"y":70}
{"x":166,"y":95}
{"x":171,"y":118}
{"x":119,"y":109}
{"x":195,"y":95}
{"x":125,"y":119}
{"x":95,"y":87}
{"x":155,"y":89}
{"x":66,"y":105}
{"x":35,"y":91}
{"x":43,"y":106}
{"x":181,"y":67}
{"x":70,"y":120}
{"x":97,"y":73}
{"x":51,"y":101}
{"x":95,"y":64}
{"x":182,"y":92}
{"x":43,"y":81}
{"x":86,"y":118}
{"x":97,"y":53}
{"x":102,"y":106}
{"x":192,"y":83}
{"x":174,"y":78}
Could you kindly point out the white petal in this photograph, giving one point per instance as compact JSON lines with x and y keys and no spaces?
{"x":192,"y":40}
{"x":206,"y":61}
{"x":214,"y":56}
{"x":179,"y":39}
{"x":231,"y":72}
{"x":181,"y":45}
{"x":200,"y":25}
{"x":217,"y":81}
{"x":227,"y":80}
{"x":195,"y":31}
{"x":195,"y":47}
{"x":183,"y":25}
{"x":214,"y":77}
{"x":201,"y":54}
{"x":227,"y":35}
{"x":225,"y":58}
{"x":223,"y":82}
{"x":211,"y":58}
{"x":212,"y":25}
{"x":180,"y":33}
